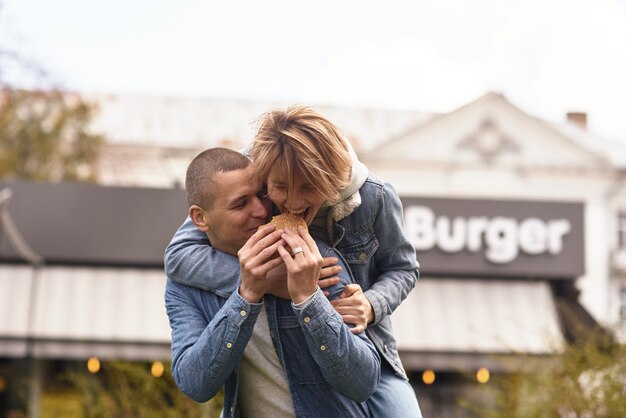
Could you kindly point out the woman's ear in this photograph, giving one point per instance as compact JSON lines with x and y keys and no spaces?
{"x":197,"y":215}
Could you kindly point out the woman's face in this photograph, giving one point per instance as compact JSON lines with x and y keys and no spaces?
{"x":306,"y":202}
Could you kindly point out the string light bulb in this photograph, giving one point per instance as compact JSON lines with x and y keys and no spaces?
{"x":157,"y":369}
{"x":428,"y":377}
{"x":93,"y":365}
{"x":482,"y":375}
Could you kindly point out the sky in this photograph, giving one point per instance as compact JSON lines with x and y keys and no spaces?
{"x":548,"y":57}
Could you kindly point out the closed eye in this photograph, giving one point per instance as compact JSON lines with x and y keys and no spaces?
{"x":240,"y":204}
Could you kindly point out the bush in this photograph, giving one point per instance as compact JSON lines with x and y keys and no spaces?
{"x":128,"y":390}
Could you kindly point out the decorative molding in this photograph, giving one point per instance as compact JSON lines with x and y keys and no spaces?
{"x":488,"y":141}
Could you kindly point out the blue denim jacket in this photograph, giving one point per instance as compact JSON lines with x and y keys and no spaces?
{"x":330,"y":371}
{"x":371,"y":239}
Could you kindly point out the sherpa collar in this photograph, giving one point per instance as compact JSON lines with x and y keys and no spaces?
{"x":349,"y":197}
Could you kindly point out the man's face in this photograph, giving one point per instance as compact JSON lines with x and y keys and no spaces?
{"x":237,"y":211}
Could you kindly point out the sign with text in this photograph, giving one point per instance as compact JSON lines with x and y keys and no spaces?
{"x":496,"y":238}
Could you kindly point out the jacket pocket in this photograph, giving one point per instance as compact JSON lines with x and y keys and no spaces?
{"x":361,"y":251}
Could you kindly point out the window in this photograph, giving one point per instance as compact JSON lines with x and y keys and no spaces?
{"x":621,"y":231}
{"x":622,"y":302}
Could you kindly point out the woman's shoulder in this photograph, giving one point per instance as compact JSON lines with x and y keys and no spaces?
{"x":371,"y":195}
{"x":372,"y":183}
{"x":374,"y":189}
{"x":377,"y":193}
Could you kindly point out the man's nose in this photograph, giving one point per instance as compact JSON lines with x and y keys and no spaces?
{"x":261,"y":208}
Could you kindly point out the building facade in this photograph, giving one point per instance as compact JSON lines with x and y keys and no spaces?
{"x":488,"y":149}
{"x":519,"y":225}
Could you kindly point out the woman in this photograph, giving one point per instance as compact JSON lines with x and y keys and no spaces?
{"x":311,"y":171}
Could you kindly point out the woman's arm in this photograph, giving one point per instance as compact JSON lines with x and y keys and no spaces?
{"x":395,"y":259}
{"x":190,"y":260}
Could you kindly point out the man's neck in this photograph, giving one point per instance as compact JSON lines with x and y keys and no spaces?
{"x":223,"y":247}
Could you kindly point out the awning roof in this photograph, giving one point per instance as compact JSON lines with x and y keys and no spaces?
{"x":78,"y":312}
{"x":471,"y":316}
{"x":90,"y":225}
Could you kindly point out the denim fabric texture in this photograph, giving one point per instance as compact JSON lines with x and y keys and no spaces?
{"x":371,"y":239}
{"x":330,"y":371}
{"x":381,"y":258}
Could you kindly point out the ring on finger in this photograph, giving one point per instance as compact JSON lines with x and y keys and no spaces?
{"x":296,"y":250}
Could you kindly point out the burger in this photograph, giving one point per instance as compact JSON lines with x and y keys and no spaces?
{"x":288,"y":221}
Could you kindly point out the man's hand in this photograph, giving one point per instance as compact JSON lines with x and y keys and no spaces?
{"x":354,"y":308}
{"x":303,"y":268}
{"x":277,"y":282}
{"x":256,"y":260}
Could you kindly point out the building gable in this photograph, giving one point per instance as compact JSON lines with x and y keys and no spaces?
{"x":489,"y":131}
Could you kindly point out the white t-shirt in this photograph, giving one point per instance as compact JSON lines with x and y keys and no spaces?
{"x":263,"y":387}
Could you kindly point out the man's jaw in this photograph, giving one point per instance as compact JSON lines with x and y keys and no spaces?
{"x":255,"y":227}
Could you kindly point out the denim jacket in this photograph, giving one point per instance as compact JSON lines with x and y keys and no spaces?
{"x":330,"y":371}
{"x":371,"y":239}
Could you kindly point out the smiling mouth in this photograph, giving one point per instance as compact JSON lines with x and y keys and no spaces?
{"x":255,"y":228}
{"x":304,"y":214}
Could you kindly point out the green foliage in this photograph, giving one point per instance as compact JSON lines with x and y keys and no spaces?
{"x":128,"y":390}
{"x":44,"y":136}
{"x":587,"y":380}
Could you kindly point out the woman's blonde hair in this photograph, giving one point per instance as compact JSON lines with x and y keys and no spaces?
{"x":300,"y":139}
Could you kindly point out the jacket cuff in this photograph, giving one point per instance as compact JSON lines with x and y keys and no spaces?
{"x":313,"y":315}
{"x":242,"y":310}
{"x":378,"y":302}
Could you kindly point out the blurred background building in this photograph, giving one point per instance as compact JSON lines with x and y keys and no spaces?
{"x":519,"y":226}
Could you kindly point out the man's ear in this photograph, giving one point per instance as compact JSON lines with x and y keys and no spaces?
{"x":197,"y":215}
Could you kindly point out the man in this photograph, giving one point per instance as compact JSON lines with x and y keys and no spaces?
{"x":274,"y":357}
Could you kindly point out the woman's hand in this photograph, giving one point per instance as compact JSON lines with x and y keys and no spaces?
{"x":304,"y":264}
{"x":276,"y":279}
{"x":328,"y":274}
{"x":354,"y":308}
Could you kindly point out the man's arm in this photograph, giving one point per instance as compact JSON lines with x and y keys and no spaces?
{"x":209,"y":335}
{"x":190,"y":260}
{"x":350,"y":363}
{"x":395,"y":258}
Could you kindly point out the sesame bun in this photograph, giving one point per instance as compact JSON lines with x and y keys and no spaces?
{"x":288,"y":221}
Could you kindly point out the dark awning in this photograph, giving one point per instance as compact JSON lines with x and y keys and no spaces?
{"x":71,"y":223}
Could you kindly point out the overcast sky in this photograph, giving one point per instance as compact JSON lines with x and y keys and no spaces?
{"x":546,"y":56}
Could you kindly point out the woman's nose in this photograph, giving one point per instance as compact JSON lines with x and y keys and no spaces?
{"x":297,"y":201}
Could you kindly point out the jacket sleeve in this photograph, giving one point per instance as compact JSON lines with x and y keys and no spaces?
{"x":395,"y":259}
{"x":209,"y":335}
{"x":190,"y":260}
{"x":349,"y":362}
